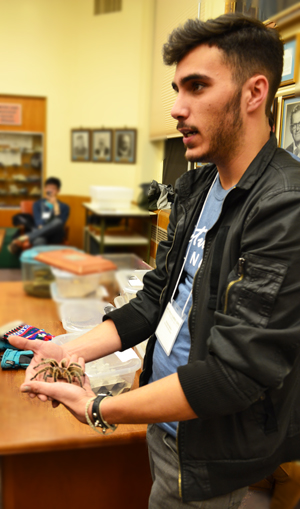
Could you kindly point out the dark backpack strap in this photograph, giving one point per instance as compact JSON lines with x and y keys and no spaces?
{"x":216,"y":266}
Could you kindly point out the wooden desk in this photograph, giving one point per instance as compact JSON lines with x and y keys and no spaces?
{"x":116,"y":236}
{"x":48,"y":458}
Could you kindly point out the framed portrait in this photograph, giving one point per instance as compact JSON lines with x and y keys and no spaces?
{"x":80,"y":145}
{"x":102,"y":145}
{"x":290,"y":125}
{"x":125,"y":145}
{"x":199,"y":165}
{"x":273,"y":115}
{"x":290,"y":61}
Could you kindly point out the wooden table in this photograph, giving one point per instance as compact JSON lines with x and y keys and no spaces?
{"x":117,"y":236}
{"x":48,"y":458}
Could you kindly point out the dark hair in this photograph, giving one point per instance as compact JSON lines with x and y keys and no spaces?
{"x":54,"y":181}
{"x":248,"y":46}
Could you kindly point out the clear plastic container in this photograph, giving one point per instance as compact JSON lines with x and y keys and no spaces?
{"x":62,"y":339}
{"x":140,"y":349}
{"x":111,"y":198}
{"x":82,"y":315}
{"x":130,"y":282}
{"x":37,"y":276}
{"x":73,"y":286}
{"x":127,"y":261}
{"x":113,"y":373}
{"x":119,"y":301}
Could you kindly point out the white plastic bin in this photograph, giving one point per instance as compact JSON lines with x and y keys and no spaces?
{"x":111,"y":198}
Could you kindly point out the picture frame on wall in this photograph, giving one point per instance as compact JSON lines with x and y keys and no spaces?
{"x":80,"y":145}
{"x":273,"y":116}
{"x":290,"y":61}
{"x":290,"y":125}
{"x":125,"y":145}
{"x":102,"y":145}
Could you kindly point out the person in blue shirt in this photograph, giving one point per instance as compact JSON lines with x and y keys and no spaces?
{"x":50,"y":216}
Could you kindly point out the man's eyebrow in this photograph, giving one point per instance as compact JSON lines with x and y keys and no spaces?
{"x":191,"y":77}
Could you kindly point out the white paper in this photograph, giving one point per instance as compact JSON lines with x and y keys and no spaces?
{"x":127,"y":355}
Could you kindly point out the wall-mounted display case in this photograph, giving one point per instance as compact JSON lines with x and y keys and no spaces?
{"x":21,"y":167}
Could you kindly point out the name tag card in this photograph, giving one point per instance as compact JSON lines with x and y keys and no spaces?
{"x":169,"y":327}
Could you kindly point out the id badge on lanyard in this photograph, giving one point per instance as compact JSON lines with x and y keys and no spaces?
{"x":46,"y":214}
{"x":173,"y":318}
{"x":169,"y":326}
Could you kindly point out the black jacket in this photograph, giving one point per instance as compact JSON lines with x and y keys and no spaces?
{"x":243,"y":374}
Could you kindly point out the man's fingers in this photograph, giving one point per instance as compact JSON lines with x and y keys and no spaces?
{"x":42,"y":389}
{"x":20,"y":343}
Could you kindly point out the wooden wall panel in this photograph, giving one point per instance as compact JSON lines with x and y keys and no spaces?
{"x":76,"y":221}
{"x":33,"y":113}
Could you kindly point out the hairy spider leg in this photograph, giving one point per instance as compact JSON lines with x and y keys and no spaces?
{"x":74,"y":372}
{"x":76,"y":364}
{"x":44,"y":370}
{"x":52,"y":362}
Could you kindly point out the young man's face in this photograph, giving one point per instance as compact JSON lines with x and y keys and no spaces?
{"x":51,"y":190}
{"x":207,"y":106}
{"x":295,"y":127}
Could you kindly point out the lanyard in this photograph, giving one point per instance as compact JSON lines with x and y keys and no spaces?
{"x":181,"y":271}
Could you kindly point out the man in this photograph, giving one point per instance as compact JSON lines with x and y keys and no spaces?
{"x":124,"y":146}
{"x":223,"y":303}
{"x":294,"y":147}
{"x":50,"y":216}
{"x":102,"y":151}
{"x":80,"y":148}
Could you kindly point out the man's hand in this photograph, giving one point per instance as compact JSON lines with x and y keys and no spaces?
{"x":72,"y":396}
{"x":41,"y":349}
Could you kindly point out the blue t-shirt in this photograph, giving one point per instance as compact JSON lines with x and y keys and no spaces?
{"x":164,"y":365}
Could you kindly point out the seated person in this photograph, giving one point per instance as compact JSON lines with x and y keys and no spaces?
{"x":50,"y":216}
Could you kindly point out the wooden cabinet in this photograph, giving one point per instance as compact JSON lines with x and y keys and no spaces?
{"x":21,"y":167}
{"x":22,"y":151}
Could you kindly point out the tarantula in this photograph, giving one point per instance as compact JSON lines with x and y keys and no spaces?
{"x":55,"y":371}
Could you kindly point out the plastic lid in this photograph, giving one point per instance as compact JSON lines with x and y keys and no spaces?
{"x":28,"y":256}
{"x":82,"y":314}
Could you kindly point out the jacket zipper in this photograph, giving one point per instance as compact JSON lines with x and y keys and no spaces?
{"x":241,"y":275}
{"x":166,"y":262}
{"x":179,"y":469}
{"x":190,"y":310}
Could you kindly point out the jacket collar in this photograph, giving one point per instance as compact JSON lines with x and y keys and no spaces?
{"x":192,"y":183}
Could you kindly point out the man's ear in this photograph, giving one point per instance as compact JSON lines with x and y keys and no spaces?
{"x":256,"y":91}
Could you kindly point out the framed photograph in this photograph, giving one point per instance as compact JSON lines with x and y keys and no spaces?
{"x":273,"y":115}
{"x":80,"y":145}
{"x":125,"y":145}
{"x":290,"y":61}
{"x":290,"y":125}
{"x":102,"y":145}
